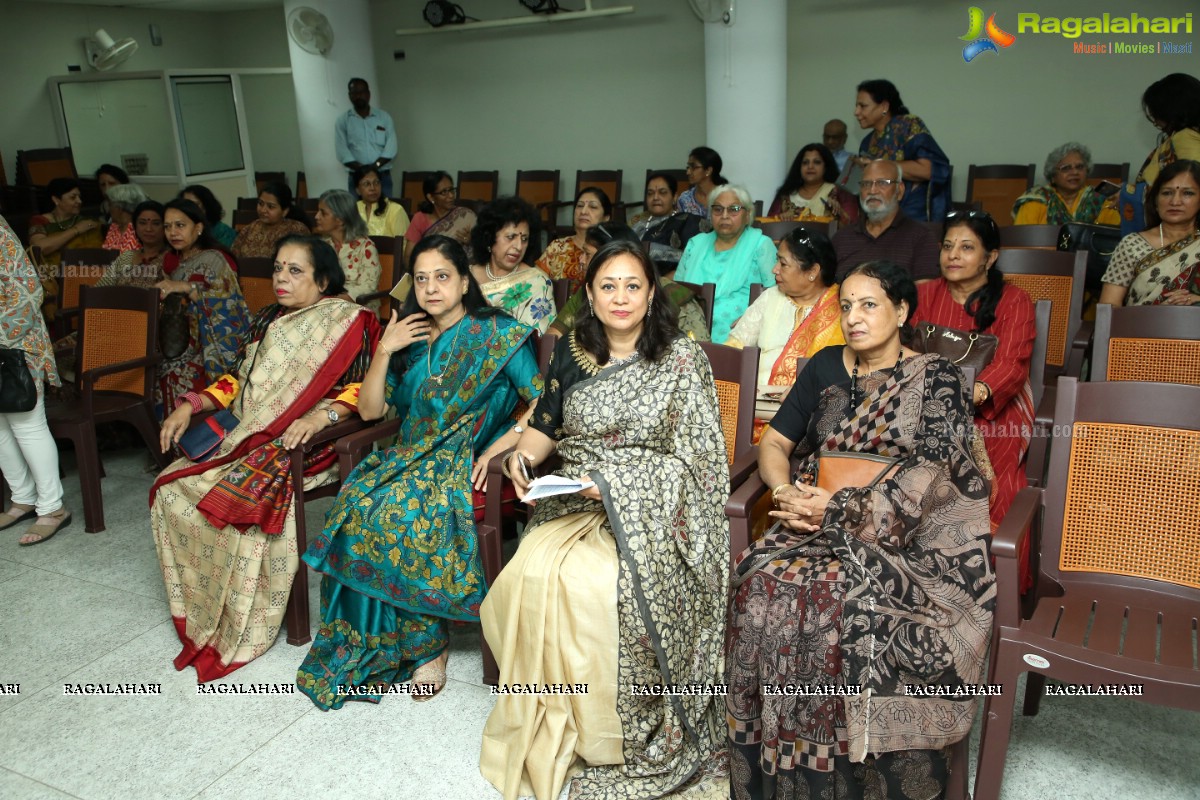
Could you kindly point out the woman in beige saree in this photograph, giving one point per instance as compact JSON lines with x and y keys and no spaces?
{"x":225,"y":527}
{"x":617,"y":591}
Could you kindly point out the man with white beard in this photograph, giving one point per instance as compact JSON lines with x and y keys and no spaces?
{"x":884,"y":232}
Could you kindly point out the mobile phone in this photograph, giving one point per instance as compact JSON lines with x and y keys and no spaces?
{"x":1108,"y":188}
{"x":525,"y":467}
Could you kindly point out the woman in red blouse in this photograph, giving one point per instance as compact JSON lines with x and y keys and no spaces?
{"x":972,"y":295}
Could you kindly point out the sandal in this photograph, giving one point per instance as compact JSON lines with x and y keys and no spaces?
{"x":18,"y":512}
{"x":45,"y":530}
{"x":430,"y":674}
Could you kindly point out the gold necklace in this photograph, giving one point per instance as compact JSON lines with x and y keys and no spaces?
{"x":437,"y":379}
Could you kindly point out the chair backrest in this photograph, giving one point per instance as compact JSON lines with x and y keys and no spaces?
{"x":545,"y":349}
{"x":308,"y":205}
{"x":777,"y":230}
{"x":608,"y":180}
{"x":561,"y":287}
{"x":39,"y":167}
{"x":81,"y":267}
{"x":301,"y":185}
{"x":1123,"y":488}
{"x":1047,"y":275}
{"x":243,"y":217}
{"x":412,"y":188}
{"x":757,"y":289}
{"x":1158,"y":344}
{"x":261,"y":179}
{"x":118,"y":323}
{"x":1042,"y":237}
{"x":735,"y":373}
{"x":1117,"y":173}
{"x":387,"y":246}
{"x":998,"y":186}
{"x":254,"y":276}
{"x":538,"y":186}
{"x":478,"y":185}
{"x":247,"y":204}
{"x":706,"y":295}
{"x":1041,"y":340}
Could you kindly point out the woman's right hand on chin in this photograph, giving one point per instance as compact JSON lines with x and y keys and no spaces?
{"x":400,"y":333}
{"x":174,"y":426}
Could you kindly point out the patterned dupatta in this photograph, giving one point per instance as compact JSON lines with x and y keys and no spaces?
{"x":1086,"y":209}
{"x":457,"y":225}
{"x":649,"y":435}
{"x":810,"y":336}
{"x":914,"y":550}
{"x":300,"y":357}
{"x":1165,"y":270}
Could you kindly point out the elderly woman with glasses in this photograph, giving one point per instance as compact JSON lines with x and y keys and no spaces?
{"x":1065,"y":197}
{"x":733,"y":255}
{"x":338,"y":221}
{"x":439,"y":214}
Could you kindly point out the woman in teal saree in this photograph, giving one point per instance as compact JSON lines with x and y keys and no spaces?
{"x":399,"y":553}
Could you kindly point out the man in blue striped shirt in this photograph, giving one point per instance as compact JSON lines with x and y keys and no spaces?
{"x":366,"y":135}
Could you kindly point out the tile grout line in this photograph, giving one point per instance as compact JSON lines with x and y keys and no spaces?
{"x":234,"y":766}
{"x":42,"y":783}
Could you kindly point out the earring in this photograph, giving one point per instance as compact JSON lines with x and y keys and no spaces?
{"x":812,"y":278}
{"x":649,"y":306}
{"x":591,"y":308}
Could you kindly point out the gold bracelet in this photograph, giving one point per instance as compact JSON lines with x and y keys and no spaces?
{"x":504,"y":467}
{"x":775,"y":493}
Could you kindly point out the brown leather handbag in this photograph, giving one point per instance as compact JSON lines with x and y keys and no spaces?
{"x":838,"y":470}
{"x":961,"y":348}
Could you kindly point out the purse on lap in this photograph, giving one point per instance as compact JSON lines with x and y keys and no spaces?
{"x":201,"y":440}
{"x":961,"y":348}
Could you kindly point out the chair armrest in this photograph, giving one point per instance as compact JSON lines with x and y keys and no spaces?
{"x":742,"y":499}
{"x":352,"y":448}
{"x":334,"y":432}
{"x":89,"y":376}
{"x":1079,"y":347}
{"x":1006,"y":547}
{"x":494,"y":490}
{"x":743,"y":467}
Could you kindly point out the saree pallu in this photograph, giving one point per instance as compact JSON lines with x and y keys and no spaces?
{"x":216,"y":325}
{"x":526,"y":294}
{"x":905,"y":138}
{"x":649,"y":435}
{"x":399,"y":554}
{"x":1166,"y":269}
{"x":227,"y":580}
{"x":1131,"y":203}
{"x":1088,"y":207}
{"x":897,"y":590}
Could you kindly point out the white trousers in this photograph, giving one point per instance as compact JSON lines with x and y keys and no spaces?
{"x":29,"y":460}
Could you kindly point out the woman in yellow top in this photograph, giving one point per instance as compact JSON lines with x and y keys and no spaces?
{"x":1065,"y":197}
{"x":384,"y":217}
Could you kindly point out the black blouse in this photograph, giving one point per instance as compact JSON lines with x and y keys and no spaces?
{"x":569,"y":364}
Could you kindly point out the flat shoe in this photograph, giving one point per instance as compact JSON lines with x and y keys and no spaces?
{"x":429,"y":674}
{"x":7,"y":520}
{"x":46,"y":531}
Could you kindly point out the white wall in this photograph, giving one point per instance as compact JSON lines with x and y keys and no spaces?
{"x":1013,"y":106}
{"x":623,"y":92}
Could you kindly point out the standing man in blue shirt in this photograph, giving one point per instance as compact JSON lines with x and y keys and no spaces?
{"x":366,"y":135}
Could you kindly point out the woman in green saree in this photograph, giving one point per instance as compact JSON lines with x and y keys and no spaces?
{"x":619,"y":588}
{"x":399,"y":553}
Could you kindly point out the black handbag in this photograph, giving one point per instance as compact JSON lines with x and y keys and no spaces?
{"x":961,"y":348}
{"x":1098,"y":240}
{"x":17,"y":390}
{"x":173,"y":331}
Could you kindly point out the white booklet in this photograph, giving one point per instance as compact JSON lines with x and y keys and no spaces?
{"x":551,"y":485}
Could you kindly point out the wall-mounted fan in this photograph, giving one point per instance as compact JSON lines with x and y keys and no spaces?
{"x":103,"y":53}
{"x":310,"y":30}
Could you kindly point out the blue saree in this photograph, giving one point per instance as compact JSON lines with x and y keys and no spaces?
{"x":398,"y":553}
{"x":907,"y":139}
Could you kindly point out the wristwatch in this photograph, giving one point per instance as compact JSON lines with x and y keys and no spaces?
{"x":333,"y":416}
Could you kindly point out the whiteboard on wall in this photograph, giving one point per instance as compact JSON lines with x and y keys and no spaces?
{"x":208,"y":124}
{"x":108,"y":119}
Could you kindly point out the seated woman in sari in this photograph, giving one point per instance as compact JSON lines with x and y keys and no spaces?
{"x":384,"y":216}
{"x":871,"y":588}
{"x":622,"y":584}
{"x":664,"y":227}
{"x":278,"y":216}
{"x":504,"y":271}
{"x":338,"y":221}
{"x":62,"y":228}
{"x":122,"y":200}
{"x":216,"y":311}
{"x":687,"y":307}
{"x":225,"y":528}
{"x":797,"y":316}
{"x":972,"y":295}
{"x":810,"y":192}
{"x":1161,"y":265}
{"x":399,"y":553}
{"x":439,"y":215}
{"x":202,"y":196}
{"x":563,"y":258}
{"x":733,"y":256}
{"x":1065,"y":197}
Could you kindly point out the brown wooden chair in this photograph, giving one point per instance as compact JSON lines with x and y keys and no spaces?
{"x":39,"y":167}
{"x":1159,"y":344}
{"x":387,"y":246}
{"x":539,"y":188}
{"x":243,"y":217}
{"x":412,"y":188}
{"x":706,"y":296}
{"x":309,"y":205}
{"x":261,"y":179}
{"x":480,"y":186}
{"x":301,"y":185}
{"x":735,"y":372}
{"x":1057,"y":277}
{"x":756,"y":290}
{"x":247,"y":204}
{"x":116,"y":355}
{"x":1117,"y":173}
{"x":562,"y":291}
{"x":1038,"y":237}
{"x":79,"y":267}
{"x":1035,"y":456}
{"x":998,"y":186}
{"x":1118,"y":591}
{"x":255,"y":278}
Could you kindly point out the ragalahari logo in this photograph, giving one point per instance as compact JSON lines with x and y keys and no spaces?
{"x":982,"y":44}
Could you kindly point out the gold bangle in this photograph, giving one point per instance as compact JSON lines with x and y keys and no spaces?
{"x":775,"y":493}
{"x":504,"y":467}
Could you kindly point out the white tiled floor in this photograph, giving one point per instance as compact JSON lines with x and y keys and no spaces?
{"x":89,"y":608}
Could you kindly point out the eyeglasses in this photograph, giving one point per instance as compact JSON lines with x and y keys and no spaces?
{"x":983,"y":216}
{"x":883,"y":183}
{"x":444,"y":192}
{"x":1071,"y":168}
{"x":721,"y":211}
